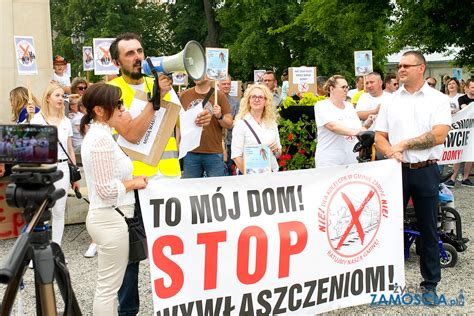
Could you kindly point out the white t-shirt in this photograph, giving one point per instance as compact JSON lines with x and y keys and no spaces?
{"x":367,"y":102}
{"x":242,"y":136}
{"x":76,"y":134}
{"x":64,"y":80}
{"x":453,"y":103}
{"x":411,"y":115}
{"x":64,"y":132}
{"x":334,"y":149}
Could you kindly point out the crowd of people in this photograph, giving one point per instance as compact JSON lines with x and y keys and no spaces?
{"x":410,"y":121}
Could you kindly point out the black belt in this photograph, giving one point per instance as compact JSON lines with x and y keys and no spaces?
{"x":62,"y":160}
{"x":419,"y":165}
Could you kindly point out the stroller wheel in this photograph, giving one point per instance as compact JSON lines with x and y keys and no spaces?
{"x":451,"y":256}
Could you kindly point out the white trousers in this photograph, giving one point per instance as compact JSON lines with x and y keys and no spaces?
{"x":59,"y":207}
{"x":110,"y":232}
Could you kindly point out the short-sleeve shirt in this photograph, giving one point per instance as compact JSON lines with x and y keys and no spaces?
{"x":334,"y":149}
{"x":367,"y":102}
{"x":408,"y":116}
{"x":211,"y":138}
{"x":64,"y":132}
{"x":464,"y":101}
{"x":64,"y":80}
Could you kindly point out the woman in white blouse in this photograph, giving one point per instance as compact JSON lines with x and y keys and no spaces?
{"x":337,"y":124}
{"x":256,"y":107}
{"x":109,"y":179}
{"x":52,"y":113}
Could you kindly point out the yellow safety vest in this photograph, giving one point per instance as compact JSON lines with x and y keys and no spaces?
{"x":169,"y":163}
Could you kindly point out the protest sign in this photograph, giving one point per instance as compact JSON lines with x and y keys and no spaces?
{"x":257,"y":159}
{"x":236,"y":89}
{"x":87,"y":58}
{"x":25,"y":55}
{"x":302,"y":80}
{"x":459,"y":144}
{"x":11,"y":220}
{"x":149,"y":149}
{"x":306,"y":241}
{"x":217,"y":61}
{"x":457,"y":73}
{"x":363,"y":62}
{"x":258,"y":75}
{"x":103,"y":64}
{"x":180,"y":78}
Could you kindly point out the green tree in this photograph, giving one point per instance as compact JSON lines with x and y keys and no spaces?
{"x":96,"y":19}
{"x":327,"y":32}
{"x":435,"y":26}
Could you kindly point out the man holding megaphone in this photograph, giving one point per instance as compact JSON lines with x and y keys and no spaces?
{"x":127,"y":54}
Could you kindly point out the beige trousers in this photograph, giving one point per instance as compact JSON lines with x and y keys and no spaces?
{"x":110,"y":232}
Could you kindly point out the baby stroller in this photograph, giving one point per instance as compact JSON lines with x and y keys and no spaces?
{"x":449,"y":221}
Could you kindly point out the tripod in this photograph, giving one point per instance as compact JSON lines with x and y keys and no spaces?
{"x":34,"y":244}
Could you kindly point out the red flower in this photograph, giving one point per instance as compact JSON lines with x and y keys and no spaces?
{"x":298,"y":144}
{"x":290,"y":136}
{"x":301,"y":151}
{"x":282,"y":163}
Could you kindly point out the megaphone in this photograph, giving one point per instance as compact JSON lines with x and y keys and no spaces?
{"x":191,"y":59}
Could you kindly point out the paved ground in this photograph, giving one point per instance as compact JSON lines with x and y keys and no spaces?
{"x":461,"y":277}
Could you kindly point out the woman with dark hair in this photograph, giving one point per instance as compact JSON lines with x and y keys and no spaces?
{"x":108,"y":173}
{"x":79,"y":86}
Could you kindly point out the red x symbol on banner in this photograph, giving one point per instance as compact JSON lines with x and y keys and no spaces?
{"x":106,"y":52}
{"x":355,"y":218}
{"x":25,"y":50}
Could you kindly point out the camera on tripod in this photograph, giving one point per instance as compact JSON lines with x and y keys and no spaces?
{"x":34,"y":151}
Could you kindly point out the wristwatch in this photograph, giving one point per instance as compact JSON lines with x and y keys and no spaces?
{"x":222,"y":116}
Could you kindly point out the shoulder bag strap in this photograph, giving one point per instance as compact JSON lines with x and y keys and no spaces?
{"x":253,"y":132}
{"x":69,"y":158}
{"x":118,"y":210}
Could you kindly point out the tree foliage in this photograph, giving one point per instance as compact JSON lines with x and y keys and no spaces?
{"x":435,"y":26}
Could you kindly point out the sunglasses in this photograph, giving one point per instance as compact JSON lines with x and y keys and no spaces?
{"x":407,"y":66}
{"x":431,"y":84}
{"x":119,"y":104}
{"x":81,"y":88}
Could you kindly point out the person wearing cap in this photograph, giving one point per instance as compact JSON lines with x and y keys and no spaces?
{"x":59,"y":76}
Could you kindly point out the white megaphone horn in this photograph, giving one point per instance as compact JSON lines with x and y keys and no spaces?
{"x":191,"y":59}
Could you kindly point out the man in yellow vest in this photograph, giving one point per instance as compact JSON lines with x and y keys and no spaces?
{"x":127,"y":54}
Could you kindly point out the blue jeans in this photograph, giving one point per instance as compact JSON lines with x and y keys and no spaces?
{"x":195,"y":164}
{"x":128,"y":296}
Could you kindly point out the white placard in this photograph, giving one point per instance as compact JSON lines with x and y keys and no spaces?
{"x":25,"y":55}
{"x":258,"y":75}
{"x":103,"y":64}
{"x":304,"y":75}
{"x":329,"y":238}
{"x":363,"y":62}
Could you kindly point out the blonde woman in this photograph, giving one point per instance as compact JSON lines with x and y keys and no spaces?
{"x":52,"y":113}
{"x":21,"y":106}
{"x":256,"y":107}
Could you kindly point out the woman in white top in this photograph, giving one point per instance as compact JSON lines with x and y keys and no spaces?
{"x":52,"y":113}
{"x":453,"y":90}
{"x":108,"y":172}
{"x":256,"y":107}
{"x":337,"y":124}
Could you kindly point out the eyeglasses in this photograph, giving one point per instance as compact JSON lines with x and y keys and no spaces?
{"x":257,"y":97}
{"x":119,"y":104}
{"x":82,"y":88}
{"x":407,"y":66}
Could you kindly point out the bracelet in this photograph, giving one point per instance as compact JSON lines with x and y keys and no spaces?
{"x":222,"y":116}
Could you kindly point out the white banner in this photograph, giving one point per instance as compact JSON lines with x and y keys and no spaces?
{"x":304,"y":242}
{"x":459,"y":145}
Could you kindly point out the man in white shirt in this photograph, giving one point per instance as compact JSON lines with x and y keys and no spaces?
{"x":369,"y":103}
{"x":391,"y":83}
{"x":411,"y":128}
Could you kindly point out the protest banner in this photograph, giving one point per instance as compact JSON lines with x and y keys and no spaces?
{"x":217,"y":63}
{"x":103,"y":64}
{"x":87,"y":58}
{"x":363,"y":62}
{"x":459,"y":144}
{"x":25,"y":55}
{"x":236,"y":89}
{"x":11,"y":220}
{"x":302,"y":80}
{"x":305,"y":241}
{"x":457,"y":73}
{"x":258,"y":75}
